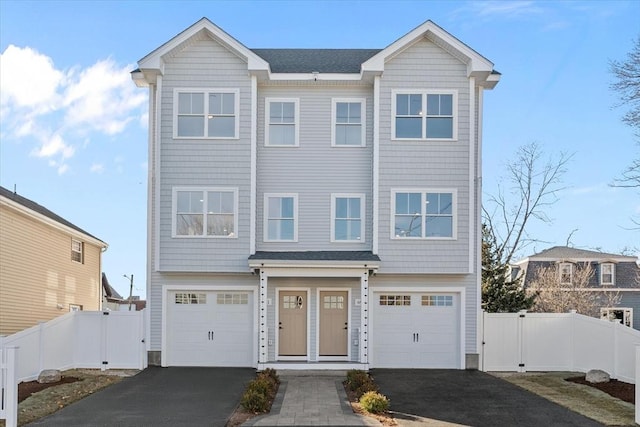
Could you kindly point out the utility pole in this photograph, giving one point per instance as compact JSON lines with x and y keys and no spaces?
{"x":130,"y":289}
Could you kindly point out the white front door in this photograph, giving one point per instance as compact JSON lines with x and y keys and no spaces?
{"x":209,"y":328}
{"x":416,"y":330}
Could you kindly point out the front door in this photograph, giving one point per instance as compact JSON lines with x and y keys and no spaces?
{"x":333,"y":323}
{"x":292,"y":334}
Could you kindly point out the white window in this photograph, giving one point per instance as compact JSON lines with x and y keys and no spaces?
{"x":211,"y":113}
{"x":75,"y":307}
{"x":618,"y":314}
{"x":348,"y":117}
{"x":190,"y":298}
{"x":395,"y":299}
{"x":77,"y":251}
{"x":607,"y":273}
{"x":425,"y":214}
{"x":437,"y":300}
{"x":205,"y":212}
{"x":232,"y":299}
{"x":281,"y":117}
{"x":347,"y":224}
{"x":566,"y":273}
{"x":425,"y":115}
{"x":281,"y":217}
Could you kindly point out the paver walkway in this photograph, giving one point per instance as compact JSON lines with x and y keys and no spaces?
{"x":311,"y":400}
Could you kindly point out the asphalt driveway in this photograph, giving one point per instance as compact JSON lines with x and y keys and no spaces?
{"x":160,"y":397}
{"x":471,"y":398}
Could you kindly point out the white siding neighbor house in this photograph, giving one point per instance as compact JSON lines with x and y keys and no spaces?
{"x":314,"y":208}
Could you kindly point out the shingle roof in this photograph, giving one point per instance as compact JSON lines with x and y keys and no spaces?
{"x":316,"y":256}
{"x":320,"y":60}
{"x":108,"y":289}
{"x":29,"y":204}
{"x":567,"y":252}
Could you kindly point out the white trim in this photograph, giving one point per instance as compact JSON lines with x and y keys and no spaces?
{"x":318,"y":302}
{"x":560,"y":266}
{"x":265,"y":209}
{"x":209,"y":288}
{"x":253,"y":197}
{"x":204,"y":190}
{"x":376,"y":165}
{"x":206,"y":92}
{"x":296,"y":121}
{"x":424,"y":290}
{"x":479,"y":318}
{"x":624,"y":310}
{"x":473,"y":195}
{"x":424,"y":93}
{"x":423,"y":192}
{"x":363,"y":214}
{"x":277,"y":322}
{"x":156,"y":178}
{"x":363,"y":121}
{"x":310,"y":77}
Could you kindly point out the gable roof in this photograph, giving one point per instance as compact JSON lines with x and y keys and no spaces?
{"x":41,"y":210}
{"x":311,"y":60}
{"x":360,"y":63}
{"x":109,"y":291}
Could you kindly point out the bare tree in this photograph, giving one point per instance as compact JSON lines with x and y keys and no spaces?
{"x":558,"y":293}
{"x":533,"y":182}
{"x":627,"y":86}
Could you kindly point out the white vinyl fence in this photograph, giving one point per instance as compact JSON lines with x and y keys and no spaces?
{"x":524,"y":342}
{"x":80,"y":339}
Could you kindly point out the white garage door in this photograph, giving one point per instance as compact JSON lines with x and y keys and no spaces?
{"x":416,"y":330}
{"x":206,"y":328}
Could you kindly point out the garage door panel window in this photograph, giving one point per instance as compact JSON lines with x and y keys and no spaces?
{"x":233,"y":299}
{"x":395,"y":300}
{"x":437,"y":300}
{"x":424,"y":214}
{"x":190,"y":298}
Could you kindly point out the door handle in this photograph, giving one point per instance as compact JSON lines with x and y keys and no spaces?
{"x":346,"y":325}
{"x":279,"y":325}
{"x":417,"y":337}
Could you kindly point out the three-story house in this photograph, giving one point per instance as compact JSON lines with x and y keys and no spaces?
{"x":314,"y":208}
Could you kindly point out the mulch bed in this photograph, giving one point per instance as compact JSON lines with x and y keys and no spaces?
{"x":26,"y":389}
{"x":621,"y":390}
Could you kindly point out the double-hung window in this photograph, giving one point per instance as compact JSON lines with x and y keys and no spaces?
{"x":348,"y":116}
{"x":281,"y":122}
{"x":205,"y":212}
{"x":423,"y":214}
{"x":77,"y":251}
{"x":566,"y":273}
{"x":425,"y":115}
{"x":281,"y":217}
{"x":607,"y":271}
{"x":209,"y":113}
{"x":347,"y":223}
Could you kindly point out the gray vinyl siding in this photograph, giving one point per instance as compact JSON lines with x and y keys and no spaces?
{"x":188,"y":281}
{"x":314,"y":170}
{"x":424,"y":164}
{"x":422,"y":283}
{"x":312,"y":284}
{"x":205,"y":64}
{"x":632,"y":300}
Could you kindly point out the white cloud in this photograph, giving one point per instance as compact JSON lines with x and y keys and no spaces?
{"x":97,"y":168}
{"x":505,"y":8}
{"x":60,"y":110}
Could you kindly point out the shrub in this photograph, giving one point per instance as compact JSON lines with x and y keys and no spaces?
{"x":260,"y":392}
{"x":359,"y":382}
{"x":271,"y":373}
{"x":374,"y":402}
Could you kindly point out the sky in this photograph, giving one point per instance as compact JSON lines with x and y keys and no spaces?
{"x":73,"y":126}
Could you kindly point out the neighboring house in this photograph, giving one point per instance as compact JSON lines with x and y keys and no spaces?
{"x":48,"y":266}
{"x":612,"y":274}
{"x":112,"y":300}
{"x":314,"y":208}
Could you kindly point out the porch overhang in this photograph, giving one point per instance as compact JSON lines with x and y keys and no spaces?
{"x":315,"y":259}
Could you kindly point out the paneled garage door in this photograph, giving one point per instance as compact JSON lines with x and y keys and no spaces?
{"x":416,"y":330}
{"x":206,"y":328}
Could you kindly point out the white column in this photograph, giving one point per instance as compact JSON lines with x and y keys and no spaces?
{"x":11,"y":393}
{"x":263,"y":341}
{"x":364,"y":317}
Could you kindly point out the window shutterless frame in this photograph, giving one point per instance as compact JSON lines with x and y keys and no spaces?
{"x":348,"y":122}
{"x":424,"y":115}
{"x":204,"y":212}
{"x":607,"y":273}
{"x":206,"y":113}
{"x":348,"y":218}
{"x":280,"y":212}
{"x":419,"y":213}
{"x":281,"y":122}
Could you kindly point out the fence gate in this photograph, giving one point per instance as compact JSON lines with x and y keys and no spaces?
{"x":502,"y":348}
